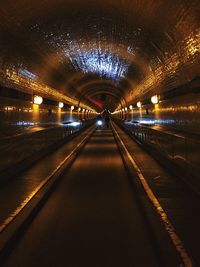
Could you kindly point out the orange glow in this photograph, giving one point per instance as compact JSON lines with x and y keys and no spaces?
{"x":35,"y":108}
{"x":35,"y":112}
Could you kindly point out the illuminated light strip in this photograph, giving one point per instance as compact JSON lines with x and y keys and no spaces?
{"x":13,"y":215}
{"x":168,"y":225}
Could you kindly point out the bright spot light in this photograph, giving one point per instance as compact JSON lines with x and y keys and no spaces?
{"x":154,"y":99}
{"x":99,"y":122}
{"x":125,"y":108}
{"x":72,"y":108}
{"x":131,"y":107}
{"x":25,"y":123}
{"x":83,"y":110}
{"x":79,"y":109}
{"x":61,"y":104}
{"x":37,"y":100}
{"x":147,"y":121}
{"x":74,"y":123}
{"x":139,"y":104}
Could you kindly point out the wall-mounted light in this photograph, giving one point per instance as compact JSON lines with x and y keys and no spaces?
{"x":125,"y":108}
{"x":72,"y":108}
{"x":139,"y":104}
{"x":37,"y":99}
{"x":154,"y":99}
{"x":60,"y":104}
{"x":79,"y":109}
{"x":83,"y":110}
{"x":131,"y":107}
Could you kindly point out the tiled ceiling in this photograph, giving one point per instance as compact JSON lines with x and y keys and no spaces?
{"x":125,"y":49}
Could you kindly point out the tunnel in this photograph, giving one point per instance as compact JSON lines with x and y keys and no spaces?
{"x":99,"y":133}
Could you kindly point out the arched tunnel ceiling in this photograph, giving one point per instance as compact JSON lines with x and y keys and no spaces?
{"x":62,"y":49}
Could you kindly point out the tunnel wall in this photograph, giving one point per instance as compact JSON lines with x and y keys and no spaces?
{"x":178,"y":140}
{"x":181,"y":113}
{"x":16,"y":115}
{"x":28,"y":134}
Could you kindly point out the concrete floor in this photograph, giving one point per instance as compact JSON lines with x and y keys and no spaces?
{"x":92,"y":218}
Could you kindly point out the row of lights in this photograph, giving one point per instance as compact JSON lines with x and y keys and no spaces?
{"x":38,"y":101}
{"x":154,"y":100}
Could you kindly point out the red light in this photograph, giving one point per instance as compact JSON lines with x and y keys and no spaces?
{"x":97,"y":103}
